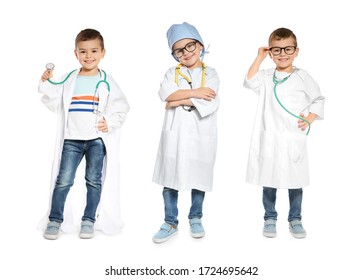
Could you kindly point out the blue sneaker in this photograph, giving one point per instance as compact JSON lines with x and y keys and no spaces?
{"x":87,"y":229}
{"x":166,"y":231}
{"x":269,"y":228}
{"x":297,"y":230}
{"x":196,"y":228}
{"x":52,"y":230}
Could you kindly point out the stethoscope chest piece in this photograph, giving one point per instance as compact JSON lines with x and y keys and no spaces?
{"x":50,"y":66}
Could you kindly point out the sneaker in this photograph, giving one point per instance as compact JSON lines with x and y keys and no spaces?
{"x":196,"y":228}
{"x":86,"y":230}
{"x":269,"y":228}
{"x":52,"y":230}
{"x":166,"y":231}
{"x":297,"y":230}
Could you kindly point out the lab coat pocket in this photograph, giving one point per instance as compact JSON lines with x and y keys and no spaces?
{"x":297,"y":147}
{"x":169,"y":143}
{"x":202,"y":148}
{"x":263,"y":144}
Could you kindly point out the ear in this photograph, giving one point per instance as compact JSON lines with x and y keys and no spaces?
{"x":103,"y":53}
{"x":75,"y":52}
{"x":200,"y":46}
{"x":296,"y":52}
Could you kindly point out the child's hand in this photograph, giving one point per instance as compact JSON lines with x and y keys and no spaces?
{"x":261,"y":55}
{"x":171,"y":104}
{"x":177,"y":103}
{"x":102,"y":125}
{"x":47,"y":75}
{"x":167,"y":105}
{"x":263,"y":52}
{"x":304,"y":125}
{"x":204,"y":93}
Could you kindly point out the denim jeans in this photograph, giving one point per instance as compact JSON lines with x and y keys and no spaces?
{"x":72,"y":154}
{"x":269,"y":201}
{"x":171,"y":205}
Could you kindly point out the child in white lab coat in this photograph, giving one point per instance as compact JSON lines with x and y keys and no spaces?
{"x":188,"y":143}
{"x":289,"y":102}
{"x":91,"y":109}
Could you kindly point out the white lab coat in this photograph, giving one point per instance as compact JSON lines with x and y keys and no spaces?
{"x":278,"y":152}
{"x":114,"y":108}
{"x":188,"y":143}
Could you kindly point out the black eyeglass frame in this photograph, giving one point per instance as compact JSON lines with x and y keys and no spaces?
{"x":280,"y":50}
{"x":181,"y":50}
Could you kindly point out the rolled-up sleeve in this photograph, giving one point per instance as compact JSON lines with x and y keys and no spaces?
{"x":168,"y":86}
{"x":255,"y":82}
{"x":205,"y":107}
{"x":52,"y":95}
{"x":317,"y":101}
{"x":117,"y":106}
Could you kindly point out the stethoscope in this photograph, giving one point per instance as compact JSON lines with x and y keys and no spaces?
{"x":95,"y":105}
{"x":178,"y":72}
{"x":279,"y":82}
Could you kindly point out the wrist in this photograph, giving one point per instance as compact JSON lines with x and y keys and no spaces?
{"x":191,"y":93}
{"x":173,"y":104}
{"x":312,"y":117}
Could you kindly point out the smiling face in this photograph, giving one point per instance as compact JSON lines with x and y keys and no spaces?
{"x":89,"y":54}
{"x":190,"y":59}
{"x":284,"y":61}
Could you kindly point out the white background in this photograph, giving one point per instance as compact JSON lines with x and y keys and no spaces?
{"x":330,"y":40}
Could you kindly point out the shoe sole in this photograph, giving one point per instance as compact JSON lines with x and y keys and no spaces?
{"x":298,"y":235}
{"x":86,"y":235}
{"x":197,"y":235}
{"x":159,"y":241}
{"x":269,"y":234}
{"x":50,"y":236}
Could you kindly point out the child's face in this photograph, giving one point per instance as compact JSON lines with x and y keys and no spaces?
{"x":283,"y":58}
{"x":188,"y":58}
{"x":89,"y":54}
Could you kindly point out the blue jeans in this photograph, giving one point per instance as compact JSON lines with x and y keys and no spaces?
{"x":171,"y":205}
{"x":269,"y":201}
{"x":72,"y":154}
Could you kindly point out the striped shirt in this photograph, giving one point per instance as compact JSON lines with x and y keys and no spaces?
{"x":82,"y":120}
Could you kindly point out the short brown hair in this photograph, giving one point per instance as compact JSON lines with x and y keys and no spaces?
{"x":89,"y":34}
{"x":282,"y":33}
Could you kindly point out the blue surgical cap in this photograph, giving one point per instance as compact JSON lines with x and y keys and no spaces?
{"x":177,"y":32}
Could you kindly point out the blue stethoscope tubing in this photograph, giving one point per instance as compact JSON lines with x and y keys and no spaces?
{"x":279,"y":82}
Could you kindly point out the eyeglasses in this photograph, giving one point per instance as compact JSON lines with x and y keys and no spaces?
{"x":190,"y":47}
{"x":288,"y":50}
